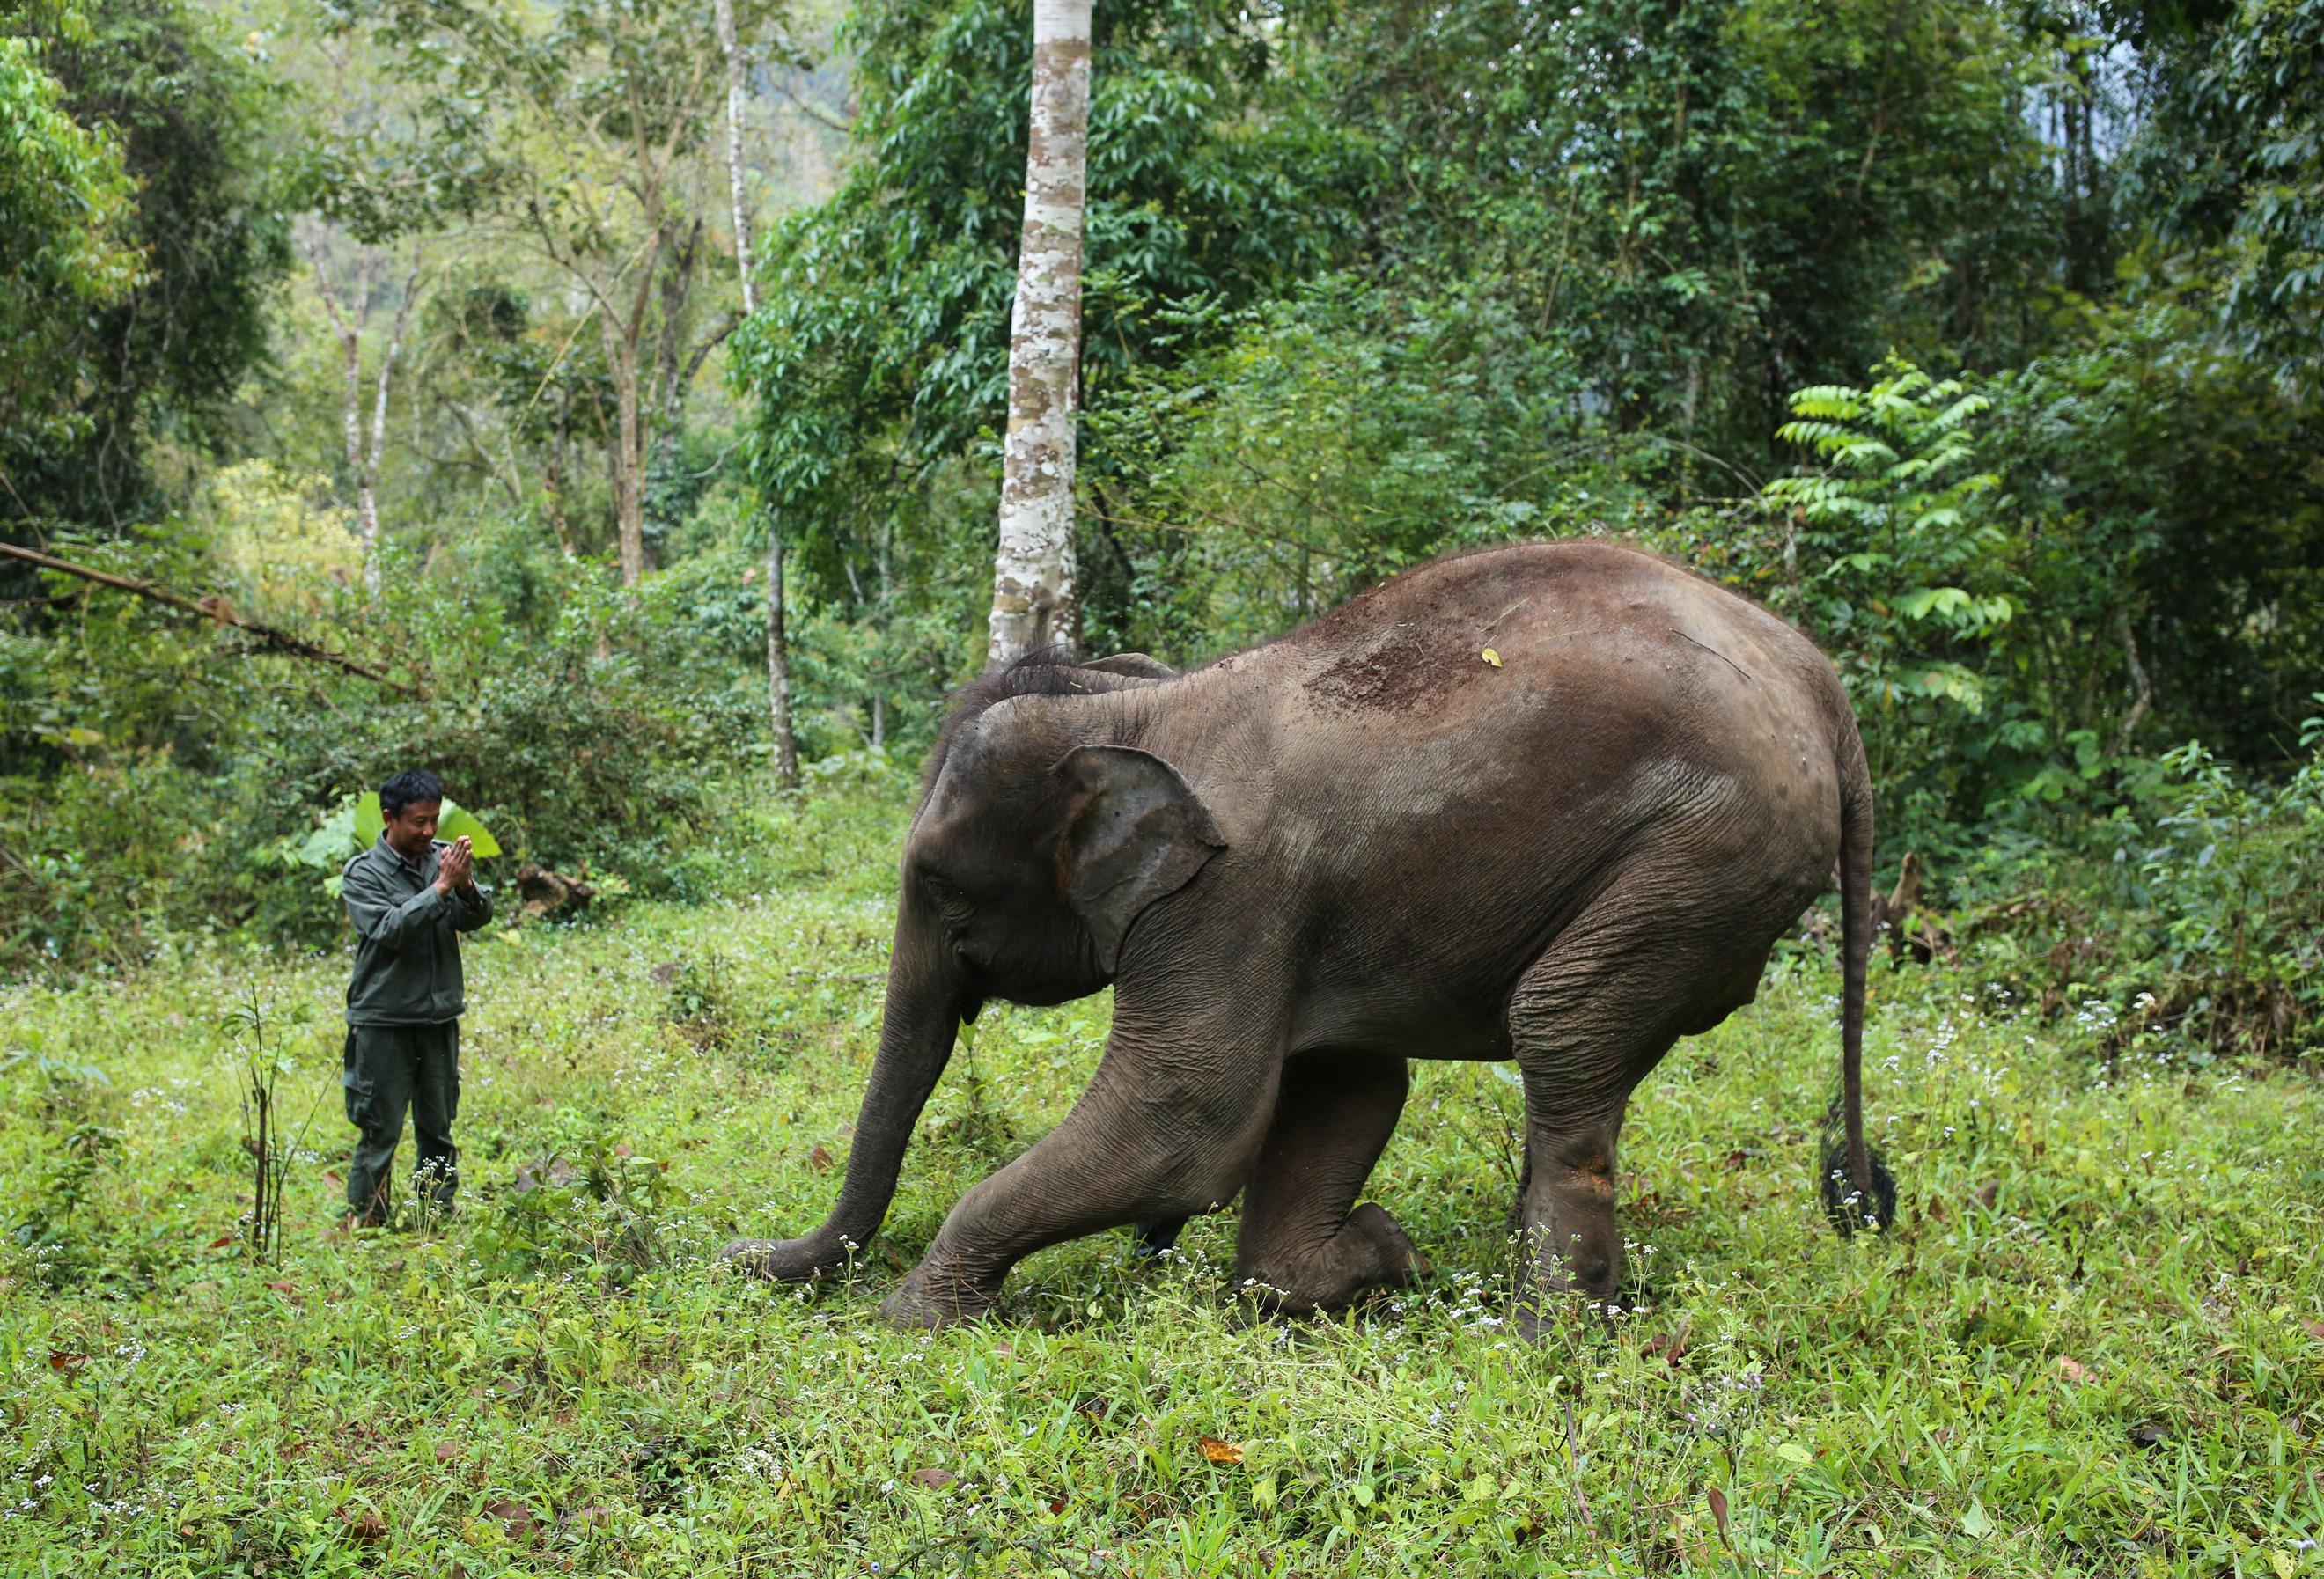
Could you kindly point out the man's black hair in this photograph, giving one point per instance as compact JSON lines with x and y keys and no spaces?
{"x":416,"y":784}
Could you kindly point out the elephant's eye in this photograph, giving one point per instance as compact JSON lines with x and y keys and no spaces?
{"x":950,"y":902}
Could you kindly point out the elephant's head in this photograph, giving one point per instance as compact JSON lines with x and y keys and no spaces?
{"x":1039,"y":842}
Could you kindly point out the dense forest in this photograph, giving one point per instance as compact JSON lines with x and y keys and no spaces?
{"x":394,"y":350}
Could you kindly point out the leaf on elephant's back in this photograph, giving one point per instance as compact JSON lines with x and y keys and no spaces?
{"x":1219,"y":1452}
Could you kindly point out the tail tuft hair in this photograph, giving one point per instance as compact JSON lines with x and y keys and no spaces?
{"x":1845,"y":1205}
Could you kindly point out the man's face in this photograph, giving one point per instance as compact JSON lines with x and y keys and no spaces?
{"x":411,"y":831}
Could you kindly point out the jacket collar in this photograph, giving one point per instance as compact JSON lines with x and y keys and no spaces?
{"x":389,"y":853}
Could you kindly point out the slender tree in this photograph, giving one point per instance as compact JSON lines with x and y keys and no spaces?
{"x":349,"y":321}
{"x":779,"y":666}
{"x":1035,"y":597}
{"x":593,"y":122}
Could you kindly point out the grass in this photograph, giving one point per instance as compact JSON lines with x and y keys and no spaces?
{"x":2095,"y":1344}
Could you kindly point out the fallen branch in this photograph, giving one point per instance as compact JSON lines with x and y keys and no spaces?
{"x":212,"y":607}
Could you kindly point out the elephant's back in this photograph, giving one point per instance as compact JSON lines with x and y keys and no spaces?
{"x":1593,"y":647}
{"x":1453,"y":765}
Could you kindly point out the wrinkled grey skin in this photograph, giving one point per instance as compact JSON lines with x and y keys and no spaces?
{"x":1361,"y":843}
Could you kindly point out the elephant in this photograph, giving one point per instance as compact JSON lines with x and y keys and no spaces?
{"x":1551,"y":802}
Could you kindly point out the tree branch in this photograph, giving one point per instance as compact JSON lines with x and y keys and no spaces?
{"x":816,"y":112}
{"x":215,"y":608}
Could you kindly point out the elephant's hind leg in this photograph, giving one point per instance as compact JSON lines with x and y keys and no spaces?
{"x":1588,"y":1021}
{"x":1301,"y":1247}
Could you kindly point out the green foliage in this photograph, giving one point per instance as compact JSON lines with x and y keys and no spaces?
{"x":2173,"y":507}
{"x":2019,"y":578}
{"x":1712,"y":203}
{"x":2229,"y":866}
{"x":64,"y":206}
{"x":189,"y":118}
{"x":1894,"y":559}
{"x":579,"y":757}
{"x":2234,"y":164}
{"x":508,"y":101}
{"x":1333,"y":437}
{"x":882,"y":348}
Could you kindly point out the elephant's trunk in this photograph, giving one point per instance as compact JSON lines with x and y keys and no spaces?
{"x":916,"y":1032}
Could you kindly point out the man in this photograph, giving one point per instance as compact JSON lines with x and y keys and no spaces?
{"x":409,"y":897}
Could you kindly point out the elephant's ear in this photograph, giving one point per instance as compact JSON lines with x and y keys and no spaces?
{"x":1136,"y":833}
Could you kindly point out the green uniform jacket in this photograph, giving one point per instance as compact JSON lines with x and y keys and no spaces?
{"x":407,"y":950}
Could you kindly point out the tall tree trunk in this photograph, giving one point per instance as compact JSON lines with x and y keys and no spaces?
{"x":724,"y":10}
{"x":1035,"y":599}
{"x":628,"y":456}
{"x":673,"y":370}
{"x":366,"y":500}
{"x":348,"y":327}
{"x":362,"y":466}
{"x":553,"y":476}
{"x":366,"y":496}
{"x":779,"y":660}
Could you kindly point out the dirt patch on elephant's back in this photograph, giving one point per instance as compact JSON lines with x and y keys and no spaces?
{"x":1401,"y":672}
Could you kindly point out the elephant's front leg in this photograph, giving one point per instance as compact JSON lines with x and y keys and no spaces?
{"x":1305,"y":1244}
{"x":1166,"y":1129}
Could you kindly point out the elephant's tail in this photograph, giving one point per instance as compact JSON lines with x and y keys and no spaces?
{"x":1856,"y":1187}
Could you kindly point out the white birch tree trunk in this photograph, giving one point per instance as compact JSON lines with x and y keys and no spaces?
{"x":778,"y":663}
{"x":367,"y":485}
{"x":363,"y":467}
{"x":1035,"y":597}
{"x":723,"y":12}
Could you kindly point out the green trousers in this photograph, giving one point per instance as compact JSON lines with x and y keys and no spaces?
{"x":391,"y":1068}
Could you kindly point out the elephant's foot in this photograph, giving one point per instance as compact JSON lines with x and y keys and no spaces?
{"x":1574,"y":1287}
{"x":783,"y":1261}
{"x":1156,"y":1235}
{"x":924,"y":1300}
{"x":1370,"y":1251}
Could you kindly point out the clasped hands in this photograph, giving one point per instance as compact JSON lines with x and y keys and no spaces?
{"x":457,"y":871}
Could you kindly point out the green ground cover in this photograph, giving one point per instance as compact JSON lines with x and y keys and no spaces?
{"x":2094,"y":1344}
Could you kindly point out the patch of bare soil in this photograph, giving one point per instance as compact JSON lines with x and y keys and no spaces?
{"x":1402,"y":673}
